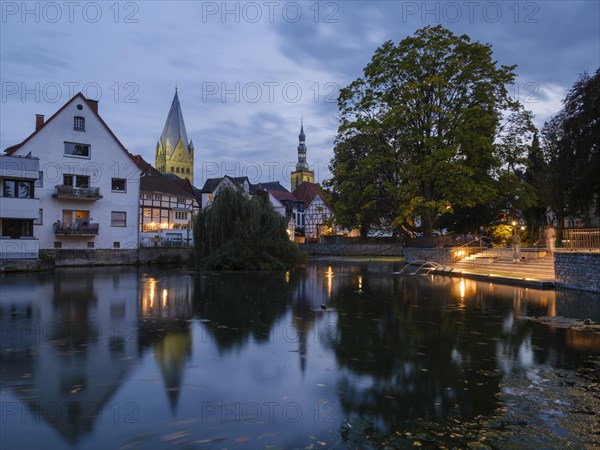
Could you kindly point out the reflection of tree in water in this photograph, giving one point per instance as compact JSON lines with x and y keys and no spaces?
{"x":241,"y":307}
{"x":410,"y":352}
{"x":426,"y":347}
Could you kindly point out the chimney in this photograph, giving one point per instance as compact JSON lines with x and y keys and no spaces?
{"x":39,"y":121}
{"x":93,"y":104}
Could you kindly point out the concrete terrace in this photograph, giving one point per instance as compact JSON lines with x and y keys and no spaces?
{"x":536,"y":269}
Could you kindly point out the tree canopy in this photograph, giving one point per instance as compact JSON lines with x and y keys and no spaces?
{"x":570,"y":184}
{"x":240,"y":233}
{"x":417,"y":132}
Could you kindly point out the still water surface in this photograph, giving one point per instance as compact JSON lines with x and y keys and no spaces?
{"x":156,"y":358}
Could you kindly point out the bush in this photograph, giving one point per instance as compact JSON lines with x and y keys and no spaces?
{"x":237,"y":233}
{"x":501,"y":234}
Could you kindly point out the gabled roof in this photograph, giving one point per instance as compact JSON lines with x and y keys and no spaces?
{"x":307,"y":191}
{"x":154,"y":181}
{"x":174,"y":127}
{"x":12,"y":149}
{"x":211,"y":183}
{"x":278,"y":191}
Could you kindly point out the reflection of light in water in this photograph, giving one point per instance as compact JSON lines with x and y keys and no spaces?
{"x":148,"y":295}
{"x":462,"y":288}
{"x":329,"y":275}
{"x":164,"y":297}
{"x":287,"y":277}
{"x":360,"y":279}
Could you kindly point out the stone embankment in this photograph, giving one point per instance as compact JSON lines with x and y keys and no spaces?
{"x":578,"y":270}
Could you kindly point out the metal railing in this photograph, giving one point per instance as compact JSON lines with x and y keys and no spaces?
{"x":66,"y":191}
{"x":581,"y":238}
{"x":464,"y":251}
{"x":76,"y":228}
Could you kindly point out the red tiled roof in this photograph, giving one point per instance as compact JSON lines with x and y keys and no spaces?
{"x":306,"y":192}
{"x":13,"y":148}
{"x":154,"y":181}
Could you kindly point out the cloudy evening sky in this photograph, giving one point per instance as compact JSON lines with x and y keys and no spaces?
{"x":247,"y":71}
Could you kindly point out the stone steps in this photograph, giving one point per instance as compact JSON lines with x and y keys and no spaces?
{"x":541,"y":268}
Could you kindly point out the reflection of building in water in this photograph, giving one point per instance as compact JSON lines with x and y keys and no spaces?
{"x":163,"y":324}
{"x":67,"y":344}
{"x":312,"y":303}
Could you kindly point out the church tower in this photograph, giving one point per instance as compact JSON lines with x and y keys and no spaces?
{"x":174,"y":153}
{"x":302,"y":172}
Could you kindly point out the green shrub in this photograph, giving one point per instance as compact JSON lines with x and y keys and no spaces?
{"x":237,"y":233}
{"x":501,"y":234}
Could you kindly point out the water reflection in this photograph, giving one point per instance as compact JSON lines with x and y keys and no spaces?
{"x":184,"y":354}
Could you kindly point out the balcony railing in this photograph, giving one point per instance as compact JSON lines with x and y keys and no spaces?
{"x":76,"y":228}
{"x":69,"y":192}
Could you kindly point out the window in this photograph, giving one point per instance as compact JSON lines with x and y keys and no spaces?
{"x":80,"y":150}
{"x":39,"y":220}
{"x":180,"y":200}
{"x":155,"y":212}
{"x":148,"y":196}
{"x":18,"y":189}
{"x":118,"y":219}
{"x":180,"y":215}
{"x":79,"y":123}
{"x":17,"y":228}
{"x":90,"y":245}
{"x":78,"y":181}
{"x":187,"y":170}
{"x":70,"y":216}
{"x":116,"y":245}
{"x":156,"y":197}
{"x":119,"y":184}
{"x":40,"y":181}
{"x":146,"y":212}
{"x":58,"y":245}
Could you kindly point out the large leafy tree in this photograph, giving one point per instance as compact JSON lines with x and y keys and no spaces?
{"x":571,"y":151}
{"x":432,"y":104}
{"x":513,"y":145}
{"x":582,"y":142}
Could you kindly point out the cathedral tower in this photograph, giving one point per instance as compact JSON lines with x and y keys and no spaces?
{"x":174,"y":153}
{"x":302,"y":172}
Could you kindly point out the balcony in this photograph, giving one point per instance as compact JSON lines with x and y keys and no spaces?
{"x":76,"y":229}
{"x":69,"y":192}
{"x":20,"y":208}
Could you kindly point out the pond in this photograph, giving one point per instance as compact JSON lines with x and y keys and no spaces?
{"x":126,"y":357}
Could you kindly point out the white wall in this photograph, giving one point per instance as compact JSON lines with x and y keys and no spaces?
{"x":107,"y":160}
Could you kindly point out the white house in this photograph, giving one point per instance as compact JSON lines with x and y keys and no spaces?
{"x":19,"y":207}
{"x":212,"y":186}
{"x":316,"y":211}
{"x":89,"y":192}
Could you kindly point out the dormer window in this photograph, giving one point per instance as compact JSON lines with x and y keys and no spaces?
{"x":79,"y":123}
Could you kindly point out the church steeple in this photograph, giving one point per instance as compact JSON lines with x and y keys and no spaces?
{"x":302,"y":172}
{"x":302,"y":165}
{"x":174,"y":152}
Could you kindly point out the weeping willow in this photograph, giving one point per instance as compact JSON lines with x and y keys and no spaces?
{"x":237,"y":233}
